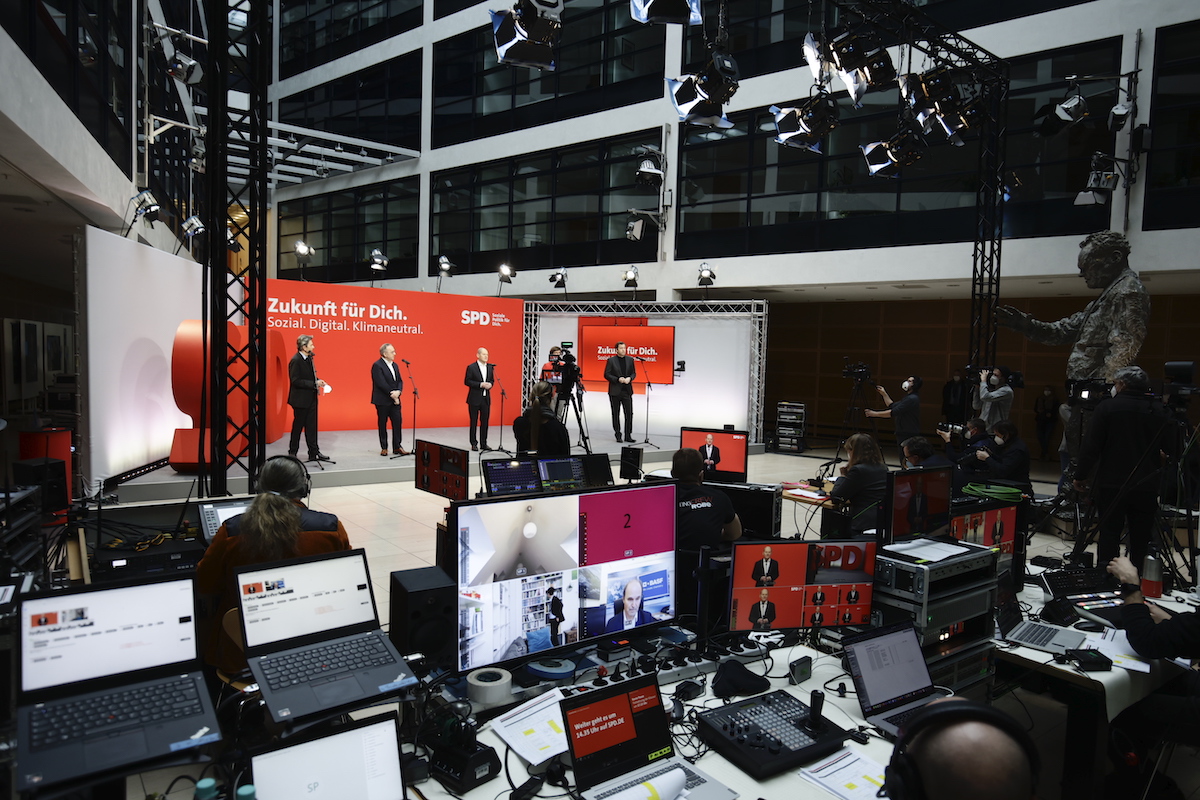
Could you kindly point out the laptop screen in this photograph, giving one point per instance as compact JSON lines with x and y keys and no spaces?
{"x":510,"y":476}
{"x":888,"y":668}
{"x":213,"y":515}
{"x":362,"y":762}
{"x":616,"y":729}
{"x":305,"y":597}
{"x":97,"y":633}
{"x":561,"y":474}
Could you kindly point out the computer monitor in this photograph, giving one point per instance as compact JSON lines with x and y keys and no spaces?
{"x":442,"y":469}
{"x":506,"y":476}
{"x":594,"y":548}
{"x":214,"y":513}
{"x":995,"y":524}
{"x":796,"y":584}
{"x":531,"y":475}
{"x":918,"y":502}
{"x":731,"y":451}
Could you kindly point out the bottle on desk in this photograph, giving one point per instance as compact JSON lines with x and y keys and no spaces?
{"x":1152,"y":574}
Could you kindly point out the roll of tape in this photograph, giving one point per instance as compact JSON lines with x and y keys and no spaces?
{"x":489,"y":685}
{"x":552,"y":669}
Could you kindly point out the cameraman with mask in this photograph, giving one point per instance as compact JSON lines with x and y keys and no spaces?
{"x":995,"y":396}
{"x":906,"y":412}
{"x":1005,"y":458}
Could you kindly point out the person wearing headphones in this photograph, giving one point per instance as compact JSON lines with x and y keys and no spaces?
{"x":954,"y":748}
{"x":906,"y":412}
{"x":276,"y":526}
{"x":538,"y":430}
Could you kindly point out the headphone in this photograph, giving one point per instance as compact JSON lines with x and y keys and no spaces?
{"x":303,"y":468}
{"x":902,"y":778}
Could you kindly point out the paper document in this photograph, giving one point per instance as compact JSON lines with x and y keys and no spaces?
{"x":667,"y":786}
{"x":534,"y":729}
{"x":927,"y":549}
{"x":1114,"y":644}
{"x":806,"y":493}
{"x":846,"y":774}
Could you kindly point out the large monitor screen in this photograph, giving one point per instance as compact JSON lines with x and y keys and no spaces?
{"x":791,"y":584}
{"x":991,"y":527}
{"x":918,"y":502}
{"x":545,"y":571}
{"x":442,"y":469}
{"x":724,"y":456}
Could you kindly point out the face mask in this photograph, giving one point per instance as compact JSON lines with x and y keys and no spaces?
{"x":999,"y":440}
{"x":994,"y":381}
{"x":1046,"y":393}
{"x":1113,"y":391}
{"x":906,"y":386}
{"x":957,"y":378}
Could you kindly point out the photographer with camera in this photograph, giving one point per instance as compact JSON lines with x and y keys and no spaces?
{"x":906,"y":412}
{"x":1006,"y":457}
{"x":552,"y":369}
{"x":994,"y":397}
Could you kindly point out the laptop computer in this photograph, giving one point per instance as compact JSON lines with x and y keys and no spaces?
{"x":619,"y":737}
{"x":890,"y":675}
{"x":1036,"y":635}
{"x":312,"y":635}
{"x":503,"y":476}
{"x":359,"y":759}
{"x":109,"y":676}
{"x":213,"y":514}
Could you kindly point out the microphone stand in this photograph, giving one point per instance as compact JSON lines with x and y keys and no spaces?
{"x":416,"y":397}
{"x":649,"y":387}
{"x":503,"y":397}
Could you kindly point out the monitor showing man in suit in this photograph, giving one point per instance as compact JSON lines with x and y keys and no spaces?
{"x":766,"y":569}
{"x":762,"y":613}
{"x":630,"y":613}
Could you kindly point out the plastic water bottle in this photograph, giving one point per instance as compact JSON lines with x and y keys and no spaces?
{"x":206,"y":789}
{"x":1152,"y":574}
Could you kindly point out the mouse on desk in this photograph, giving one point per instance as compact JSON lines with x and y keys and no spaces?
{"x":1087,"y":626}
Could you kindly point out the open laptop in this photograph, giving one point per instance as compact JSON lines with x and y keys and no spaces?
{"x":619,"y":738}
{"x":360,"y":759}
{"x":214,"y":513}
{"x":109,"y":677}
{"x":312,"y":635}
{"x":1037,"y":635}
{"x":503,"y":476}
{"x":890,"y":675}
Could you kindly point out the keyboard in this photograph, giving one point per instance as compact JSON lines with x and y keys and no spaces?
{"x":1063,"y":582}
{"x":1031,"y":633}
{"x":904,"y":716}
{"x":693,"y":780}
{"x":64,"y":722}
{"x":316,"y":663}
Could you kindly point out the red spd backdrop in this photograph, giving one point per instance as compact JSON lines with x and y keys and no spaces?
{"x":655,"y":343}
{"x":438,"y":333}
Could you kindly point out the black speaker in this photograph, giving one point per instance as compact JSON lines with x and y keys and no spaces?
{"x":631,"y":463}
{"x":48,"y":473}
{"x":424,"y":615}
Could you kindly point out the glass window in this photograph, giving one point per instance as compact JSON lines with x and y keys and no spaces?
{"x":1172,"y":172}
{"x":312,"y":33}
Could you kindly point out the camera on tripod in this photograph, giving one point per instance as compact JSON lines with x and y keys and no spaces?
{"x":566,"y":366}
{"x":1088,"y":392}
{"x":857,"y":371}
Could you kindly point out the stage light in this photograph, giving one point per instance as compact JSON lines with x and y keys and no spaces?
{"x":861,"y":61}
{"x":681,"y":12}
{"x":681,"y":366}
{"x":527,"y":34}
{"x":707,"y":275}
{"x":698,"y":99}
{"x":559,"y":278}
{"x":920,"y":106}
{"x":885,"y":159}
{"x":817,"y":65}
{"x":198,"y":161}
{"x":506,"y":273}
{"x":146,"y":207}
{"x":192,"y":226}
{"x":635,"y":229}
{"x":231,"y":241}
{"x":444,"y":266}
{"x":379,"y":262}
{"x":1119,"y":115}
{"x":803,"y":126}
{"x":630,"y":276}
{"x":650,"y":170}
{"x":304,"y":253}
{"x":186,"y":69}
{"x":1059,"y":117}
{"x":1101,"y":182}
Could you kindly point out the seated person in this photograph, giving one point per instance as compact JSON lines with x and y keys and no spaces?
{"x":630,"y":614}
{"x":863,"y":483}
{"x":276,"y":526}
{"x":976,"y":436}
{"x":1005,"y":458}
{"x":538,"y":430}
{"x":703,"y":516}
{"x":920,"y":453}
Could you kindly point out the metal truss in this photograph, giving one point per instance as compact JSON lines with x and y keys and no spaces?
{"x":754,"y":310}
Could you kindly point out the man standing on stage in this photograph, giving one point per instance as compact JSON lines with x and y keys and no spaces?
{"x":711,"y":455}
{"x":302,"y":397}
{"x":620,"y":372}
{"x":387,"y":387}
{"x":480,"y":377}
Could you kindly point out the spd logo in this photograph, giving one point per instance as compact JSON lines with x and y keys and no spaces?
{"x":476,"y":318}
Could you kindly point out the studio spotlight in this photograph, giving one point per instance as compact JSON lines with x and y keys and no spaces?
{"x":146,"y":207}
{"x":917,"y":101}
{"x":186,"y":69}
{"x":304,"y":253}
{"x":379,"y":262}
{"x":681,"y":12}
{"x":527,"y":34}
{"x":1118,"y":116}
{"x":804,"y":125}
{"x":198,"y":161}
{"x":1101,"y":182}
{"x":861,"y":61}
{"x":504,"y":275}
{"x":681,"y":366}
{"x":231,"y":240}
{"x":707,"y":275}
{"x":650,"y":170}
{"x":698,"y":99}
{"x":885,"y":159}
{"x":1059,"y":117}
{"x":559,"y":278}
{"x":444,"y":266}
{"x":635,"y":229}
{"x":630,"y":276}
{"x":192,"y":226}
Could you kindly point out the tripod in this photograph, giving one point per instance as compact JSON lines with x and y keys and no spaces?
{"x":416,"y":396}
{"x":572,"y":400}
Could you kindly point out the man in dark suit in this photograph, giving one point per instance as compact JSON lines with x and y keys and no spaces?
{"x":554,"y":616}
{"x":762,"y":613}
{"x":918,"y":508}
{"x":631,"y":614}
{"x":620,"y":371}
{"x":479,"y":379}
{"x":387,"y":387}
{"x":302,"y":397}
{"x":711,"y":455}
{"x":766,"y":569}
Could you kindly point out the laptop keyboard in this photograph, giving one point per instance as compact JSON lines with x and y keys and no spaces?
{"x":65,"y":722}
{"x":1033,"y":634}
{"x":318,"y":662}
{"x":904,"y":716}
{"x":693,"y":780}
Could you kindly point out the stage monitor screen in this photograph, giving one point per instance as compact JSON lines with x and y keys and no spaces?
{"x":504,"y":476}
{"x":594,"y":549}
{"x":729,"y":452}
{"x":441,"y":469}
{"x":918,"y":502}
{"x":561,"y":474}
{"x":597,"y":470}
{"x":796,"y":584}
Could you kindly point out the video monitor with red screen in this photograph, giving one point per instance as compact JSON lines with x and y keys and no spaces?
{"x":728,"y":453}
{"x":993,"y":527}
{"x":918,"y":502}
{"x":790,"y":584}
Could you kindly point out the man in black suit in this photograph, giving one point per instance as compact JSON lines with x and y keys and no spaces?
{"x":387,"y":387}
{"x":620,"y":371}
{"x":711,"y":455}
{"x":554,"y":616}
{"x":918,"y":508}
{"x":762,"y":613}
{"x":766,"y":569}
{"x":302,"y":397}
{"x":479,"y":379}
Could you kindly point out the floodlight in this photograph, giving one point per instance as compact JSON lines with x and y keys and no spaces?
{"x":1059,"y":117}
{"x":1119,"y":115}
{"x":698,"y":99}
{"x":304,"y":253}
{"x":707,"y":275}
{"x":812,"y":56}
{"x":920,"y":106}
{"x":804,"y":125}
{"x":1101,"y":182}
{"x":635,"y":229}
{"x":444,"y":266}
{"x":379,"y":262}
{"x":147,"y":207}
{"x":650,"y":170}
{"x":885,"y":159}
{"x":527,"y":34}
{"x":186,"y":69}
{"x":559,"y":278}
{"x":231,"y":240}
{"x":506,"y":273}
{"x":192,"y":226}
{"x":630,"y":276}
{"x":682,"y":12}
{"x":860,"y":51}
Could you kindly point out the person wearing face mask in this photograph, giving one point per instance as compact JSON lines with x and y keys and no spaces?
{"x":1006,"y":457}
{"x":906,"y":412}
{"x":994,"y":398}
{"x":1045,"y":414}
{"x":955,"y":399}
{"x":1129,"y":439}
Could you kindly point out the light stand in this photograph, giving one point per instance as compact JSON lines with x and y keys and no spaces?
{"x":649,"y":388}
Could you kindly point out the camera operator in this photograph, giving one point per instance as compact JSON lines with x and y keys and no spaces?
{"x":994,"y":397}
{"x":974,"y":436}
{"x":1006,"y":457}
{"x":552,"y":369}
{"x":906,"y":412}
{"x":1121,"y":458}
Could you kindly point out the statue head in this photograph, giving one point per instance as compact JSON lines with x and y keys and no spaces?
{"x":1102,"y":257}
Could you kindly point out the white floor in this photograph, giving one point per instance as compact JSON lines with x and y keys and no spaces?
{"x":396,"y":524}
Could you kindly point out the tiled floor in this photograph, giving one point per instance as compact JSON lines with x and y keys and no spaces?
{"x":396,"y":523}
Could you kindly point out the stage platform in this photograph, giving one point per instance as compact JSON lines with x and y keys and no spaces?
{"x":356,"y":460}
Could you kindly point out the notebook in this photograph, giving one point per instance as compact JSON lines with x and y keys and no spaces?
{"x":890,"y":675}
{"x":312,"y":635}
{"x":214,"y":514}
{"x":359,"y":759}
{"x":619,"y":738}
{"x":110,"y":676}
{"x":1037,"y":635}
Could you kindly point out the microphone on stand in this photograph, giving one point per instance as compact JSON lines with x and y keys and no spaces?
{"x":405,"y":360}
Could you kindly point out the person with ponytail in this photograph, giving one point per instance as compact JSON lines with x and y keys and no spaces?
{"x":276,"y":526}
{"x":537,"y":429}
